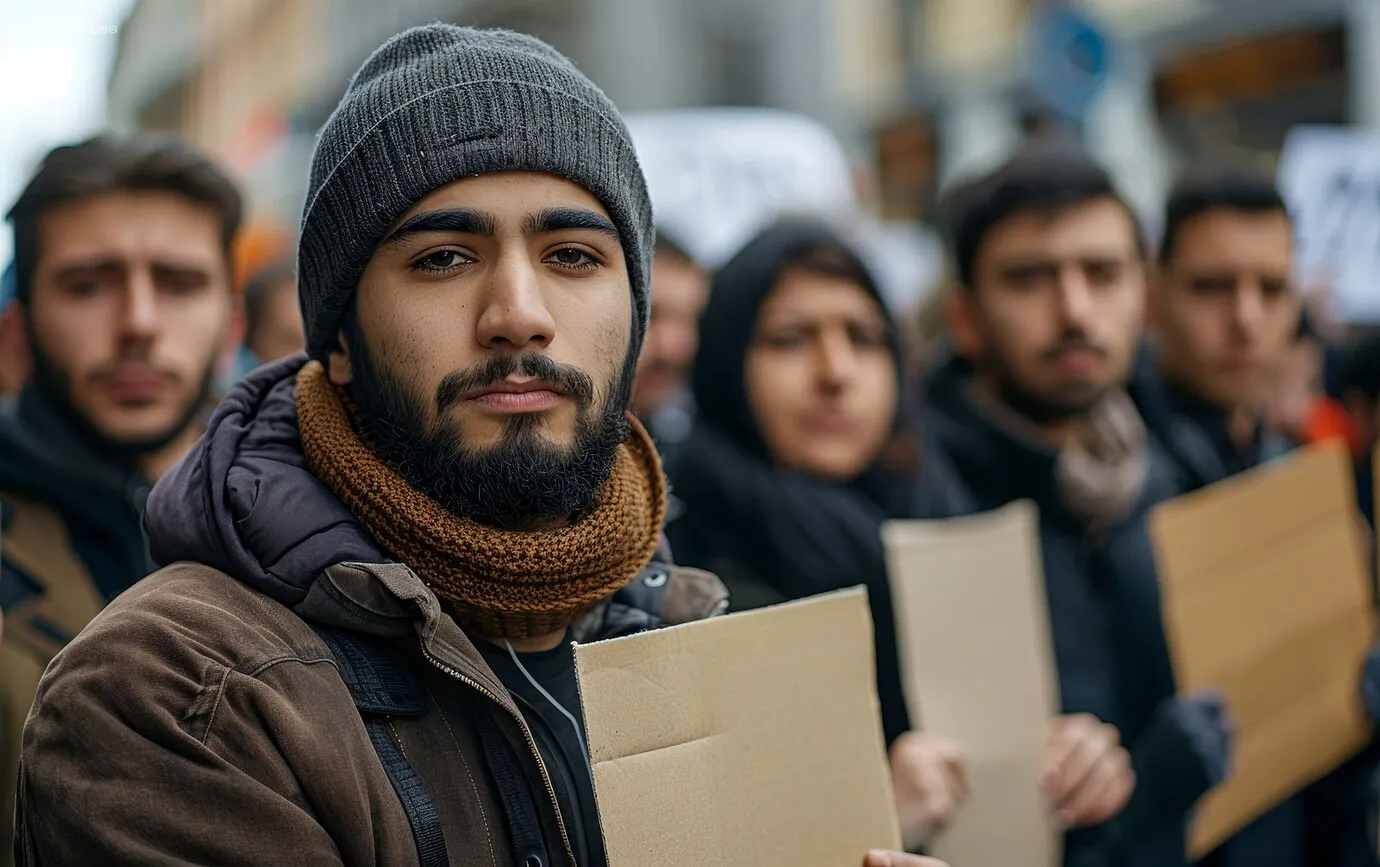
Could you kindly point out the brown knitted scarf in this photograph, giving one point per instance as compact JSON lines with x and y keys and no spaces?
{"x":499,"y":583}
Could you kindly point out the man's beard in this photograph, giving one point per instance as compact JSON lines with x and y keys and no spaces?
{"x":1025,"y":401}
{"x":55,"y":383}
{"x":520,"y":478}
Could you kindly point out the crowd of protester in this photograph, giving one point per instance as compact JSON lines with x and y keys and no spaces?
{"x":396,"y":431}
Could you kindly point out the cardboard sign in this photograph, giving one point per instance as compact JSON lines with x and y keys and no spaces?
{"x":1265,"y":597}
{"x":978,"y":667}
{"x":718,"y":176}
{"x":752,"y":738}
{"x":1330,"y":176}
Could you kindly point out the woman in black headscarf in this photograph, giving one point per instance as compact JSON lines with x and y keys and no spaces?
{"x":802,"y":446}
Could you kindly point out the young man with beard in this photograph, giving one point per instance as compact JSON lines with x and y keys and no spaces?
{"x":1225,"y":312}
{"x":122,"y":266}
{"x":1046,"y":326}
{"x":361,"y":654}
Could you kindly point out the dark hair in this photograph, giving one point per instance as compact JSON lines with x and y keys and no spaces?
{"x":259,"y":290}
{"x":107,"y":163}
{"x":1361,"y":367}
{"x":829,"y":259}
{"x":666,"y":246}
{"x":1047,"y":178}
{"x":1210,"y":187}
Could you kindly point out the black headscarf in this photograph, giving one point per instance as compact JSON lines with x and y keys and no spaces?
{"x":798,"y":534}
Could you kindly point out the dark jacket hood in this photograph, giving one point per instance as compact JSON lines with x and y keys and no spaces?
{"x":244,"y":502}
{"x":739,"y":290}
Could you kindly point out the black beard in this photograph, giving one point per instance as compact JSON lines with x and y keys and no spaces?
{"x":56,"y":384}
{"x":520,"y":479}
{"x":1035,"y":408}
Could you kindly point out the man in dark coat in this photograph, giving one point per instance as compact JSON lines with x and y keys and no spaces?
{"x":1226,"y":311}
{"x":1045,"y":326}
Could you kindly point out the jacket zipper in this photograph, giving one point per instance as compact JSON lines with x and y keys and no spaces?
{"x":526,"y":733}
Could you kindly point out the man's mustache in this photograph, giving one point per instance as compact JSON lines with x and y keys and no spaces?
{"x":496,"y":368}
{"x":1073,"y":343}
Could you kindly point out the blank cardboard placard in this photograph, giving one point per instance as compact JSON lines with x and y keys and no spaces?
{"x":751,"y":738}
{"x":977,"y":663}
{"x":1265,"y":598}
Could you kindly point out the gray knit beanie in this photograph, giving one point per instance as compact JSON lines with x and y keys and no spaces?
{"x":438,"y":103}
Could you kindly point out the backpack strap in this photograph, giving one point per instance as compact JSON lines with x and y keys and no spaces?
{"x":383,"y":687}
{"x":514,"y":792}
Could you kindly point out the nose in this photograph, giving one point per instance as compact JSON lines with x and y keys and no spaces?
{"x":836,"y":359}
{"x":1248,"y":309}
{"x":140,"y":320}
{"x":1075,"y":297}
{"x":515,"y":314}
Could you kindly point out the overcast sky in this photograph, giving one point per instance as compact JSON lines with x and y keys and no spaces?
{"x":54,"y":59}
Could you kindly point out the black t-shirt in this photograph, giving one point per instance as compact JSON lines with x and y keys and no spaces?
{"x":560,"y":742}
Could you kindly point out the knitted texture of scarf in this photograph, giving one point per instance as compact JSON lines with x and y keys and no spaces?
{"x":499,"y":583}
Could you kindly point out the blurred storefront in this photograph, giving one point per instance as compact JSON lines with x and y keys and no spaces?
{"x":1187,"y":77}
{"x":252,"y":80}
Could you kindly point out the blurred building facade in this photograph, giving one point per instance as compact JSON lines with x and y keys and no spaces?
{"x":925,"y":90}
{"x":252,"y":80}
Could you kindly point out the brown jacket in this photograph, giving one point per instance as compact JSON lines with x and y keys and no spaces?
{"x":201,"y":718}
{"x":196,"y":720}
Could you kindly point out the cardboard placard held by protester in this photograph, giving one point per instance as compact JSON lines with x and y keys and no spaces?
{"x":978,"y":666}
{"x":1265,"y":598}
{"x":752,"y":738}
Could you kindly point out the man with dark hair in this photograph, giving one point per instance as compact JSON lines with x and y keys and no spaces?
{"x":122,"y":264}
{"x":272,"y":317}
{"x":661,"y":396}
{"x":1226,"y":315}
{"x":1225,"y":310}
{"x":362,"y":653}
{"x":1046,"y":326}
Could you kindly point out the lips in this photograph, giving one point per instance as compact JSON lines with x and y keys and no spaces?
{"x":517,"y":396}
{"x":135,"y":383}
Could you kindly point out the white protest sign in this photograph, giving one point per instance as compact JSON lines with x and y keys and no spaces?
{"x":717,"y":176}
{"x":1330,"y":177}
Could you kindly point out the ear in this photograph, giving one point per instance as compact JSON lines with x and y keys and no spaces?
{"x":338,"y":367}
{"x":961,"y":317}
{"x":14,"y":347}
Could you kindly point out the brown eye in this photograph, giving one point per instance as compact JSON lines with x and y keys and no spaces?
{"x":572,"y":258}
{"x":442,"y":261}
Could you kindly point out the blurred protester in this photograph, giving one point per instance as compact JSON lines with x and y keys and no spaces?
{"x":122,"y":257}
{"x":1046,"y":326}
{"x":14,"y":354}
{"x":1225,"y":314}
{"x":1228,"y":326}
{"x":273,"y":318}
{"x":661,"y":395}
{"x":473,"y":329}
{"x":801,"y":449}
{"x":1360,"y":386}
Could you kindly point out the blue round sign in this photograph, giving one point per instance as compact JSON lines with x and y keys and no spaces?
{"x":1070,"y":58}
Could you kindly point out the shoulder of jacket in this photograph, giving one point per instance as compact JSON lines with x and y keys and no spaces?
{"x":191,"y":615}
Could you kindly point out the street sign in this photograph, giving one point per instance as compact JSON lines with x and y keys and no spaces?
{"x":1070,"y":58}
{"x":1330,"y":177}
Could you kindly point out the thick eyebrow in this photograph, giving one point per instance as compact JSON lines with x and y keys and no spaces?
{"x":447,"y":220}
{"x":85,"y":266}
{"x":561,"y":219}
